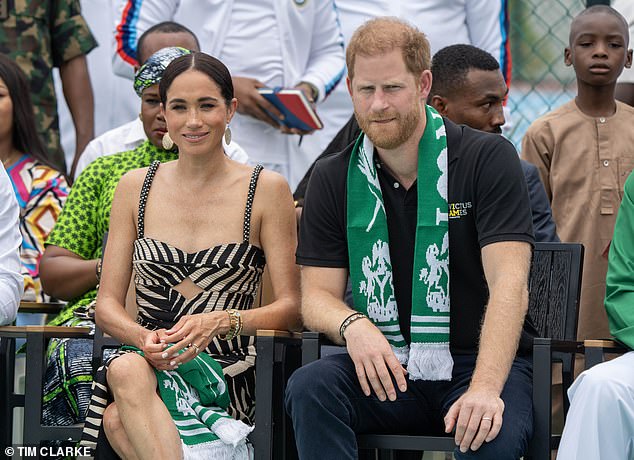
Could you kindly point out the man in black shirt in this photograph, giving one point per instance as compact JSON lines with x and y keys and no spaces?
{"x":489,"y":239}
{"x":469,"y":89}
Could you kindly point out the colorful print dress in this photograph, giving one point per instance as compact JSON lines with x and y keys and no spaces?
{"x":41,"y":192}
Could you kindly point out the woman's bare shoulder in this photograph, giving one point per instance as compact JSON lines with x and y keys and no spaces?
{"x":273,"y":183}
{"x":131,"y":183}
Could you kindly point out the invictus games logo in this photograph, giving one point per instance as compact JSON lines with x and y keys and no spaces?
{"x":457,"y":210}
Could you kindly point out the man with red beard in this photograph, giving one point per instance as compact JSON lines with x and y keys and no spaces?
{"x":468,"y":89}
{"x":423,"y":358}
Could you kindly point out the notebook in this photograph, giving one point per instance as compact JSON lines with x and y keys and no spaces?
{"x":293,"y":104}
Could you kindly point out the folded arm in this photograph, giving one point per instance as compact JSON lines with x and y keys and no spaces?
{"x":66,"y":275}
{"x":73,"y":247}
{"x":79,"y":97}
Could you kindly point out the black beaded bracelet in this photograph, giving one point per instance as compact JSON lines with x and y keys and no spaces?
{"x":349,"y":320}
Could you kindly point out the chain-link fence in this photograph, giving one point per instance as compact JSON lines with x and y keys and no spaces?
{"x":540,"y":80}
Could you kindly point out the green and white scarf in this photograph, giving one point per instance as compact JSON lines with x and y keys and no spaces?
{"x":428,"y":357}
{"x":196,"y":396}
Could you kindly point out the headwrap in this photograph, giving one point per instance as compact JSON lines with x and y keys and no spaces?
{"x":152,"y":70}
{"x":428,"y":357}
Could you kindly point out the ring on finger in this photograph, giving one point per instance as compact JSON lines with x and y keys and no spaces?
{"x":487,"y":418}
{"x":195,"y":347}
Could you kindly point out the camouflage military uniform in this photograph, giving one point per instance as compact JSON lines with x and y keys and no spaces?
{"x":39,"y":35}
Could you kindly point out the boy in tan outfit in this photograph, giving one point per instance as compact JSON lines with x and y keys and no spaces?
{"x":584,"y":151}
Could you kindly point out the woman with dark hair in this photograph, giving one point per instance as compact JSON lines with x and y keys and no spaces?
{"x":40,"y":189}
{"x":72,"y":259}
{"x":196,"y":275}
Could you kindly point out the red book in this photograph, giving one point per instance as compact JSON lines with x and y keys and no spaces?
{"x":293,"y":104}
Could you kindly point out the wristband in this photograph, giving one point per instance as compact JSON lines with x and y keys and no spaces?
{"x":348,"y":321}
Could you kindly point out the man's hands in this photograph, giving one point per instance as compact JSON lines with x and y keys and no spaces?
{"x":374,"y":360}
{"x":477,"y":418}
{"x":253,"y":104}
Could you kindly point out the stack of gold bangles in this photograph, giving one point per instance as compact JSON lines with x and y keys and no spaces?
{"x":235,"y":328}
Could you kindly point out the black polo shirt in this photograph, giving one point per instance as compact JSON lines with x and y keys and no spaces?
{"x":488,"y":203}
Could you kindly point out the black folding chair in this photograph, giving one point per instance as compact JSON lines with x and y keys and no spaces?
{"x":554,"y":291}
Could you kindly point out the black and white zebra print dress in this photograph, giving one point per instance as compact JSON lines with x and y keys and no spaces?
{"x":229,"y":276}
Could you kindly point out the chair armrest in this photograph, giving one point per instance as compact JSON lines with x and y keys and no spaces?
{"x":316,"y":345}
{"x":566,"y":346}
{"x":543,"y":351}
{"x":607,"y":345}
{"x":596,"y":350}
{"x":278,"y":334}
{"x":278,"y":356}
{"x":35,"y":361}
{"x":45,"y":331}
{"x":311,"y":346}
{"x":51,"y":308}
{"x":547,"y":347}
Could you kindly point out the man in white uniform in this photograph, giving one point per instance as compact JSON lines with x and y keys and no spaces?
{"x":11,"y":281}
{"x":114,"y":98}
{"x":625,"y":84}
{"x":288,"y":43}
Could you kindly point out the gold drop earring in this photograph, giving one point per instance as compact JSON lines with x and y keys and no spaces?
{"x":167,"y":142}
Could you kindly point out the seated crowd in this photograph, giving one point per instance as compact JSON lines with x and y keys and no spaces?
{"x":163,"y":239}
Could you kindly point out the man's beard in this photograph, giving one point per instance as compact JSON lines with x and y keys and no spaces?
{"x":395,"y":133}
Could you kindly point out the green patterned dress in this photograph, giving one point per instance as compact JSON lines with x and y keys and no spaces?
{"x":80,"y":229}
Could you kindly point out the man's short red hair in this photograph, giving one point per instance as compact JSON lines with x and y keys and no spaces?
{"x":382,"y":35}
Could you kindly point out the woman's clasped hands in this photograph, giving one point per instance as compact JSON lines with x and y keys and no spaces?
{"x":166,"y":349}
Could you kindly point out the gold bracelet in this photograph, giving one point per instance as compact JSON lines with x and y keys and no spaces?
{"x":239,"y":330}
{"x":235,"y":324}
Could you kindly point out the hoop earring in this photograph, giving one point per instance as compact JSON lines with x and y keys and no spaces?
{"x":228,"y":135}
{"x":167,"y":142}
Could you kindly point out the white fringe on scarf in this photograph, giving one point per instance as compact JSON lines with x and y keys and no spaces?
{"x":217,"y":450}
{"x":231,"y":431}
{"x":429,"y":361}
{"x":402,"y":354}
